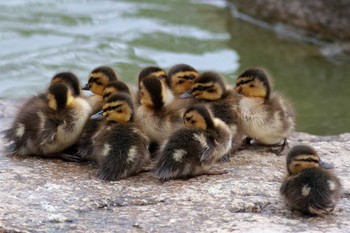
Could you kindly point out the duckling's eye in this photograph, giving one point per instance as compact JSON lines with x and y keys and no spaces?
{"x":189,"y":77}
{"x":162,"y":77}
{"x":98,"y":83}
{"x":211,"y":90}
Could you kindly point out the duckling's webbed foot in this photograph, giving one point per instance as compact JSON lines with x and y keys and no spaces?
{"x":279,"y":151}
{"x":225,"y":158}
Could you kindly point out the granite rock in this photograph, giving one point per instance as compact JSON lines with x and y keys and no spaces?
{"x":46,"y":195}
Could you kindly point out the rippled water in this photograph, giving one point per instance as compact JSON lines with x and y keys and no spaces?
{"x":39,"y":38}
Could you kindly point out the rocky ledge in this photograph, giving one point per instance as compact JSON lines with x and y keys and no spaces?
{"x":43,"y":195}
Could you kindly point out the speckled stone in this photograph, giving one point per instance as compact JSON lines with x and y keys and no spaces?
{"x":44,"y":195}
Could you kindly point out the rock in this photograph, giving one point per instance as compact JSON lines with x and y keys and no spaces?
{"x":44,"y":195}
{"x":328,"y":20}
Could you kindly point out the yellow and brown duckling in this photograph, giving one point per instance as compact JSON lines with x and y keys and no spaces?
{"x":120,"y":148}
{"x":180,"y":78}
{"x":309,"y":187}
{"x":210,"y":89}
{"x":99,"y":78}
{"x":70,"y":79}
{"x":191,"y":150}
{"x":48,"y":126}
{"x":155,"y":71}
{"x":152,"y":117}
{"x":267,"y":117}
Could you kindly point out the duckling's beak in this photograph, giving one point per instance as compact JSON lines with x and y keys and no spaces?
{"x":187,"y":94}
{"x":98,"y":116}
{"x":326,"y":165}
{"x":86,"y":87}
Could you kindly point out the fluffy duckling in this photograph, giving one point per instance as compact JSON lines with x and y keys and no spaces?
{"x":115,"y":87}
{"x":47,"y":127}
{"x":70,"y":79}
{"x":191,"y":150}
{"x":99,"y":78}
{"x":93,"y":127}
{"x":266,"y":116}
{"x":181,"y":77}
{"x":152,"y":117}
{"x":309,"y":188}
{"x":154,"y":71}
{"x":120,"y":149}
{"x":210,"y":89}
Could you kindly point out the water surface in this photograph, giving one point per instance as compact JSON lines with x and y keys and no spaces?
{"x":39,"y":38}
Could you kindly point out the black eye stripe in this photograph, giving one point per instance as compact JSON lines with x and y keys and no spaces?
{"x":244,"y":82}
{"x":202,"y":88}
{"x":110,"y":108}
{"x":106,"y":95}
{"x":308,"y":160}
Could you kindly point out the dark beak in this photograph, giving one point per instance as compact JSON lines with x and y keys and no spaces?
{"x":86,"y":87}
{"x":326,"y":165}
{"x":187,"y":94}
{"x":98,"y":116}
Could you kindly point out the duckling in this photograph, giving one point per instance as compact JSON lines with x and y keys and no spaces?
{"x":114,"y":88}
{"x":93,"y":126}
{"x":210,"y":89}
{"x":152,"y":117}
{"x":192,"y":149}
{"x":267,"y":117}
{"x":70,"y":79}
{"x":308,"y":187}
{"x":120,"y":148}
{"x":154,"y":71}
{"x":99,"y":78}
{"x":47,"y":127}
{"x":180,"y":78}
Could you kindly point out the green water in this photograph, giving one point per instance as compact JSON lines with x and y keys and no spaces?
{"x":39,"y":38}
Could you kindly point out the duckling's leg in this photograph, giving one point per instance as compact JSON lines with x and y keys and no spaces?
{"x":66,"y":157}
{"x":211,"y":172}
{"x":225,"y":158}
{"x":282,"y":146}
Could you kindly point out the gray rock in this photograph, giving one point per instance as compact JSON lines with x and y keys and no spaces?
{"x":328,"y":20}
{"x":43,"y":195}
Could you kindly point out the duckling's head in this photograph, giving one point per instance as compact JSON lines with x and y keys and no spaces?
{"x":181,"y":77}
{"x":152,"y":93}
{"x":99,"y":78}
{"x":301,"y":157}
{"x":152,"y":71}
{"x":208,"y":86}
{"x":59,"y":96}
{"x":253,"y":83}
{"x":115,"y":87}
{"x":198,"y":116}
{"x":117,"y":108}
{"x":70,"y":79}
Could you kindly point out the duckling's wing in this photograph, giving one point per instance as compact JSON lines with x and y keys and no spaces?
{"x":48,"y":132}
{"x":207,"y":149}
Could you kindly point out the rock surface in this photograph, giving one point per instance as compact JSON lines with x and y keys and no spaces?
{"x":42,"y":195}
{"x":325,"y":19}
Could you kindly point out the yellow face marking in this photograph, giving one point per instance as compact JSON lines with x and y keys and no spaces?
{"x":194,"y":119}
{"x":207,"y":91}
{"x":118,"y":111}
{"x":302,"y":162}
{"x":254,"y":88}
{"x":97,"y":82}
{"x":145,"y":97}
{"x":180,"y":83}
{"x":159,"y":74}
{"x":51,"y":101}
